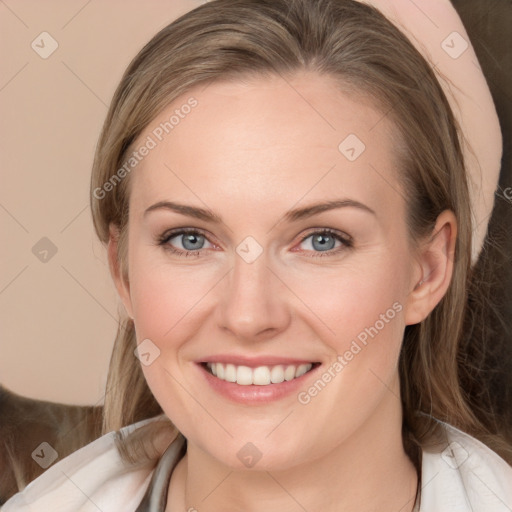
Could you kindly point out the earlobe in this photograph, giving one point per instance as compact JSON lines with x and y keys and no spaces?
{"x":435,"y":267}
{"x":120,"y":281}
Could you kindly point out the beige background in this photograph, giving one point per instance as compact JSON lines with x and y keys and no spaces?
{"x":58,"y":313}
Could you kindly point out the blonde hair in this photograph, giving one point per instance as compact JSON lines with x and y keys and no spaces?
{"x":355,"y":44}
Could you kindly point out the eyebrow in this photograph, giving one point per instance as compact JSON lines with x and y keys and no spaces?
{"x":290,"y":216}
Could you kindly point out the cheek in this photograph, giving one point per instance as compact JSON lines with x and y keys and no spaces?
{"x":164,"y":296}
{"x":359,"y":313}
{"x":354,"y":303}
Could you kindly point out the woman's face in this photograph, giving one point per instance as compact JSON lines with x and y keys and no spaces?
{"x":297,"y":257}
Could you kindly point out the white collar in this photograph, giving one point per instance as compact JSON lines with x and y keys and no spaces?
{"x":465,"y":476}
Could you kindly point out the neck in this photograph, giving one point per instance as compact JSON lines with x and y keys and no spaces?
{"x":367,"y":472}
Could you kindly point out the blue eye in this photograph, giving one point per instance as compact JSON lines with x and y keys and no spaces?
{"x":191,"y":240}
{"x":321,"y":242}
{"x":324,"y":242}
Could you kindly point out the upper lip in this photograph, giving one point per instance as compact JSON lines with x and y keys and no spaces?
{"x":254,"y":362}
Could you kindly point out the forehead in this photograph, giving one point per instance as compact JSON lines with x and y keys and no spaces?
{"x":267,"y":138}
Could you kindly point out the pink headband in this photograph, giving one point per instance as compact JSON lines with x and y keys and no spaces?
{"x":435,"y":29}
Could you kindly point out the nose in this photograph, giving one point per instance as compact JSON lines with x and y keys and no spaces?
{"x":254,"y":301}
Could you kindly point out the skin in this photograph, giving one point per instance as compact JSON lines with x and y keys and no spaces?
{"x":250,"y":151}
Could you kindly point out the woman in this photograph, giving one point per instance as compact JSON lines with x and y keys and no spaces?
{"x":283,"y":192}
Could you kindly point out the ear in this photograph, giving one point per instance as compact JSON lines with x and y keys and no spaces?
{"x":122,"y":284}
{"x":434,"y":269}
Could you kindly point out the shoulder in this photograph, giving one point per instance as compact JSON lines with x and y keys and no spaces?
{"x":94,"y":476}
{"x":464,"y":475}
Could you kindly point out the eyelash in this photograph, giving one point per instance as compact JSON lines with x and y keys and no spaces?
{"x":163,"y":240}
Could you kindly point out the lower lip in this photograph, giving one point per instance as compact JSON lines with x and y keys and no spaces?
{"x":254,"y":394}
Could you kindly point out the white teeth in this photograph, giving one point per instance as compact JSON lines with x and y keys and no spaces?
{"x":260,"y":376}
{"x":289,"y":373}
{"x":243,"y":375}
{"x":277,"y":374}
{"x":230,"y":373}
{"x":302,"y":369}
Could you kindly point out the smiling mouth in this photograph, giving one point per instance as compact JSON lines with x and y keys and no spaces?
{"x":259,"y":376}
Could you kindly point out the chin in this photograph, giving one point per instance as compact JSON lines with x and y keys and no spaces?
{"x":255,"y":453}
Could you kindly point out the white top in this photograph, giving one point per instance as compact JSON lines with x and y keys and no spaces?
{"x":466,"y":477}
